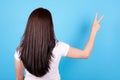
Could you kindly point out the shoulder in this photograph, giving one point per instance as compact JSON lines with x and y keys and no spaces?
{"x":17,"y":55}
{"x":61,"y":48}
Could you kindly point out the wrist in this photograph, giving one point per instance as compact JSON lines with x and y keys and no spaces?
{"x":93,"y":32}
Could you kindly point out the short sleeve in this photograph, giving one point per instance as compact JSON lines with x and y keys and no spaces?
{"x":62,"y":48}
{"x":17,"y":55}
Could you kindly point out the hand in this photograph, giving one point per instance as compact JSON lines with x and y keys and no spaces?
{"x":96,"y":24}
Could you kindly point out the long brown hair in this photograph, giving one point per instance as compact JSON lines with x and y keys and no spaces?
{"x":38,"y":42}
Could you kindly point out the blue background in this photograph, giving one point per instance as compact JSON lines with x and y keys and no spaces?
{"x":72,"y":23}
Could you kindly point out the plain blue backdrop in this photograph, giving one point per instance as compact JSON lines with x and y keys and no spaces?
{"x":72,"y":23}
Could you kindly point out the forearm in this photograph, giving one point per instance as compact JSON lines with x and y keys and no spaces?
{"x":90,"y":43}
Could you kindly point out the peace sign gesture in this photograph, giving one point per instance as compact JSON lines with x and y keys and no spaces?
{"x":96,"y":24}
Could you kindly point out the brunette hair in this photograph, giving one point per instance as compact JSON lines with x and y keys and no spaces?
{"x":38,"y":42}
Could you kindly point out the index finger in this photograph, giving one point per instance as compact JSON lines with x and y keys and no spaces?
{"x":100,"y":18}
{"x":96,"y":17}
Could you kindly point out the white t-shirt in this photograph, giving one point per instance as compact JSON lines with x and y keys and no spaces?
{"x":60,"y":49}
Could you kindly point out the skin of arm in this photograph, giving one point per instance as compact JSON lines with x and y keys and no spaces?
{"x":77,"y":53}
{"x":19,"y":70}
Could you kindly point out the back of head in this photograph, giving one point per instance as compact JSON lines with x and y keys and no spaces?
{"x":38,"y":42}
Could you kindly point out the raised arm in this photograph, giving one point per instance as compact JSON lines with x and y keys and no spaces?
{"x":77,"y":53}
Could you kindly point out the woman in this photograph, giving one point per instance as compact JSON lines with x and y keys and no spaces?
{"x":39,"y":52}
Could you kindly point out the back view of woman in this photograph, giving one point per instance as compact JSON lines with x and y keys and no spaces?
{"x":39,"y":52}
